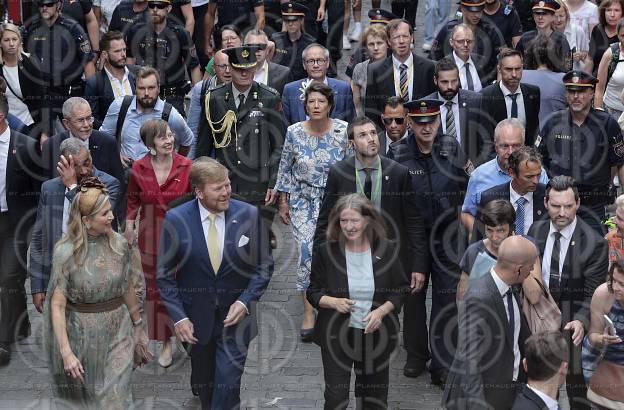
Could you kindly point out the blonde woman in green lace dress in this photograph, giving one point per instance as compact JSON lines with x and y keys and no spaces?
{"x":91,"y":307}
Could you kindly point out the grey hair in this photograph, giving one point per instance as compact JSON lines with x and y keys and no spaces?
{"x":508,"y":122}
{"x":72,"y":146}
{"x":70,"y":104}
{"x":256,"y":32}
{"x":305,"y":50}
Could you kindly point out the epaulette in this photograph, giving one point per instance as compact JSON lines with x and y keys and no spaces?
{"x":267,"y":88}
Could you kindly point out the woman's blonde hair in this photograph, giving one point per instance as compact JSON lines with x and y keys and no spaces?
{"x":91,"y":198}
{"x":565,"y":8}
{"x":376,"y":30}
{"x":13,"y":29}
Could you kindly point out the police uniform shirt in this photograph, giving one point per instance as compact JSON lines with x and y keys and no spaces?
{"x":507,"y":20}
{"x":562,"y":58}
{"x":476,"y":79}
{"x":236,"y":12}
{"x":443,"y":111}
{"x":528,"y":207}
{"x":125,"y":17}
{"x":586,"y":152}
{"x":77,"y":10}
{"x":288,"y":53}
{"x":509,"y":102}
{"x":61,"y":51}
{"x":375,"y":175}
{"x":176,"y":11}
{"x":396,"y":68}
{"x":168,"y":51}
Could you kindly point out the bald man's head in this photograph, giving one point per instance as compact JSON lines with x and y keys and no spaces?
{"x":516,"y":257}
{"x":222,"y":67}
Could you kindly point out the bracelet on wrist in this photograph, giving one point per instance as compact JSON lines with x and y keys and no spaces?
{"x":137,"y":323}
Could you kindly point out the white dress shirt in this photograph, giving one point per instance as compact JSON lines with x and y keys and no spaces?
{"x":120,"y":88}
{"x":204,"y":215}
{"x":528,"y":207}
{"x":396,"y":64}
{"x":551,"y":404}
{"x":443,"y":111}
{"x":262,"y":74}
{"x":476,"y":79}
{"x":564,"y":242}
{"x":519,"y":101}
{"x":5,"y":141}
{"x":503,"y":288}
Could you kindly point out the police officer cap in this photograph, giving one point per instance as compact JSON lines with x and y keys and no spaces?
{"x":42,"y":2}
{"x":293,"y":11}
{"x":380,"y":16}
{"x":160,"y":1}
{"x":472,"y":5}
{"x":579,"y":80}
{"x":242,"y":57}
{"x":423,"y":111}
{"x":546,"y":5}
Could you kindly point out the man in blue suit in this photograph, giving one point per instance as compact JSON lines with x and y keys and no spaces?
{"x":214,"y":263}
{"x":53,"y":211}
{"x":316,"y":63}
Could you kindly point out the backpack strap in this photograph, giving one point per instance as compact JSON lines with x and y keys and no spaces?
{"x":166,"y":111}
{"x":123,"y":110}
{"x":615,"y":59}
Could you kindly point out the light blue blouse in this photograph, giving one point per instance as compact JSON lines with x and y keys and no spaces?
{"x":361,"y":285}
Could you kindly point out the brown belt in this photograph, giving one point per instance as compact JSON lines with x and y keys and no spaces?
{"x":97,"y":307}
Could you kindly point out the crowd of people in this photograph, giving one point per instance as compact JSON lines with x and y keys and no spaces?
{"x":149,"y":148}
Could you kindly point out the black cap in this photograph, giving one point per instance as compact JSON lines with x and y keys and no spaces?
{"x":546,"y":5}
{"x":579,"y":80}
{"x":380,"y":16}
{"x":293,"y":11}
{"x":472,"y":5}
{"x":41,"y":2}
{"x":423,"y":111}
{"x":242,"y":57}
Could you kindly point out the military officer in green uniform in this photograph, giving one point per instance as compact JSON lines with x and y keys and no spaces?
{"x":243,"y":125}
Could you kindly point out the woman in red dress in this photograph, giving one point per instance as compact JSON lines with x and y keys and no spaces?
{"x":156,"y":179}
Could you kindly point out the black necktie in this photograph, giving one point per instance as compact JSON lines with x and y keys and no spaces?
{"x":510,"y":312}
{"x":241,"y":101}
{"x":368,"y":184}
{"x":469,"y":81}
{"x":555,"y":276}
{"x":514,"y":105}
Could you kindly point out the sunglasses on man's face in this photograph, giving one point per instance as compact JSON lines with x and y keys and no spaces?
{"x":44,"y":5}
{"x":259,"y":45}
{"x":159,"y":6}
{"x":388,"y":120}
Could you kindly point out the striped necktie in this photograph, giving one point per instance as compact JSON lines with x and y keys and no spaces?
{"x":403,"y":82}
{"x":520,"y":215}
{"x":450,"y":120}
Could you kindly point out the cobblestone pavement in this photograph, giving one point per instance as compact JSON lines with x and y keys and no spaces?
{"x":280,"y":373}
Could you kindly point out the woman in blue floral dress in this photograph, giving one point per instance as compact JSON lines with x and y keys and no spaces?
{"x":311,"y":147}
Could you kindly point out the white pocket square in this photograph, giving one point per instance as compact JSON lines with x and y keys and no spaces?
{"x":243,"y":241}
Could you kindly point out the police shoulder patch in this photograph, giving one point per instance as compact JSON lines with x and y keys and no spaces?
{"x":618,"y":149}
{"x":538,"y":141}
{"x":469,"y":167}
{"x":85,"y":46}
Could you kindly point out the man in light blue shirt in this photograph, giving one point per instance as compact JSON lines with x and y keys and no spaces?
{"x":508,"y":137}
{"x":146,"y":105}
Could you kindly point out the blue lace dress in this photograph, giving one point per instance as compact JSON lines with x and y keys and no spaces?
{"x":302,"y":173}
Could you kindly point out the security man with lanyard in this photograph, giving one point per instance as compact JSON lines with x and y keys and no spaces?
{"x":439,"y":176}
{"x":61,"y":51}
{"x":290,"y":44}
{"x":243,"y":125}
{"x":166,"y":46}
{"x":586,"y":144}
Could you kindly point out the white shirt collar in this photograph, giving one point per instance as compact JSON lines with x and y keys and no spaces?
{"x":550,"y":403}
{"x":112,"y":77}
{"x":565,"y":232}
{"x":459,"y":62}
{"x":408,"y":62}
{"x":204,"y":213}
{"x":506,"y":91}
{"x":236,"y":93}
{"x":5,"y":137}
{"x":514,"y":196}
{"x":500,"y":284}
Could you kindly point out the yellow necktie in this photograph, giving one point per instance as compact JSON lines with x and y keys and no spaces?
{"x":213,"y":244}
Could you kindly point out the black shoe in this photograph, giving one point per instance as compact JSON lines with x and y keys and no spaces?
{"x":5,"y":354}
{"x":414,"y":368}
{"x":438,"y":378}
{"x":307,"y":335}
{"x":194,"y":391}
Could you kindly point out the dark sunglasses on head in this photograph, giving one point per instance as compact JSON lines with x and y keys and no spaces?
{"x":388,"y":120}
{"x":159,"y":6}
{"x":259,"y":45}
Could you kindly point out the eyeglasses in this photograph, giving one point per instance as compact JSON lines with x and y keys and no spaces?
{"x":317,"y":61}
{"x":80,"y":121}
{"x":467,"y":42}
{"x":44,"y":5}
{"x":259,"y":45}
{"x":159,"y":6}
{"x":222,"y":66}
{"x":388,"y":120}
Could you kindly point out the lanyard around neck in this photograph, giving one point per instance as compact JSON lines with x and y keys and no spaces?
{"x":377,"y":192}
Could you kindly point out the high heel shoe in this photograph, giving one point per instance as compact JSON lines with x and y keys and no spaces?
{"x":306,"y":335}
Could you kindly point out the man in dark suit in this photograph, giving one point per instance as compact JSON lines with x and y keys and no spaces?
{"x":74,"y":165}
{"x":546,"y":365}
{"x":574,"y":263}
{"x":524,"y":192}
{"x":267,"y":72}
{"x":395,"y":198}
{"x":474,"y":72}
{"x":404,"y":74}
{"x":19,"y":188}
{"x":394,"y":119}
{"x":114,"y":80}
{"x":461,"y":114}
{"x":214,"y":265}
{"x":508,"y":98}
{"x":78,"y":122}
{"x":316,"y":63}
{"x":492,"y":331}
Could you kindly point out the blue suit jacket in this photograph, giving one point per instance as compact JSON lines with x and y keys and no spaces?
{"x":293,"y":103}
{"x":48,"y":226}
{"x":188,"y":285}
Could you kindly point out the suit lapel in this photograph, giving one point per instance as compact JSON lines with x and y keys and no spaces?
{"x":568,"y":262}
{"x":198,"y":237}
{"x":500,"y":307}
{"x":11,"y":158}
{"x":57,"y":202}
{"x":229,"y":242}
{"x":463,"y":121}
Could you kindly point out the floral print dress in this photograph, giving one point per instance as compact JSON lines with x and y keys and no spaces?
{"x":303,"y":170}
